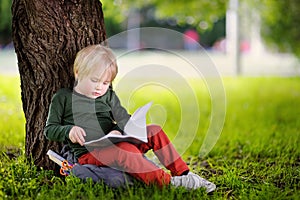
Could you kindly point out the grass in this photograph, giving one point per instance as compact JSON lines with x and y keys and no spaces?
{"x":12,"y":126}
{"x":256,"y":157}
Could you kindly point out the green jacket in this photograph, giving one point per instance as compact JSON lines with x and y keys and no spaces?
{"x":96,"y":116}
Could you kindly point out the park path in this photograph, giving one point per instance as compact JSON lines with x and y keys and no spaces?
{"x":182,"y":62}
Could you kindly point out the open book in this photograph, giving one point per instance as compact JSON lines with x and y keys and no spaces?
{"x":135,"y":131}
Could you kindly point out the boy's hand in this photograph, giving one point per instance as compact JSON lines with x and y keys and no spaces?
{"x":115,"y":132}
{"x":77,"y":135}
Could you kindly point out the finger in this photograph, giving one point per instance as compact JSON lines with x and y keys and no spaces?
{"x":80,"y":136}
{"x":72,"y":137}
{"x":83,"y":133}
{"x":72,"y":134}
{"x":115,"y":132}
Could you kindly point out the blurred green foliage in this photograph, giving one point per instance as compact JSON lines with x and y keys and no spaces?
{"x":189,"y":12}
{"x":207,"y":17}
{"x":5,"y":21}
{"x":279,"y":19}
{"x":280,"y":24}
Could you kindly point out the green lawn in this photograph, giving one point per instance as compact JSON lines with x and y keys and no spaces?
{"x":256,"y":157}
{"x":12,"y":122}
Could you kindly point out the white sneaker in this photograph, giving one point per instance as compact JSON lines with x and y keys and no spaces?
{"x":203,"y":182}
{"x":192,"y":181}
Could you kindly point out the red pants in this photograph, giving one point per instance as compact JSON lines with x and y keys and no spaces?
{"x":130,"y":158}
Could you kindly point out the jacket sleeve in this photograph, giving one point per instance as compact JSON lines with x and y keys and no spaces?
{"x":119,"y":113}
{"x":54,"y":129}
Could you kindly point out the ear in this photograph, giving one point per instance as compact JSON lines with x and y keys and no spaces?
{"x":76,"y":75}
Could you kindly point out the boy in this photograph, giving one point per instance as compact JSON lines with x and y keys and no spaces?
{"x":92,"y":109}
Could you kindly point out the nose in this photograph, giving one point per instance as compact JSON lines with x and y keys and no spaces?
{"x":99,"y":86}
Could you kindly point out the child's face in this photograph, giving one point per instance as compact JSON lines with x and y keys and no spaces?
{"x":94,"y":85}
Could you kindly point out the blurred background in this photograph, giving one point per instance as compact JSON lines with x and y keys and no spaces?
{"x":242,"y":37}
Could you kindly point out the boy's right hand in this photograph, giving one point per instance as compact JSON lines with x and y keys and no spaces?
{"x":77,"y":135}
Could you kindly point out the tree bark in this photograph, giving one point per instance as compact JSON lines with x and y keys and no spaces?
{"x":47,"y":34}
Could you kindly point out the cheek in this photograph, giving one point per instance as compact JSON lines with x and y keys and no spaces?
{"x":106,"y":88}
{"x":88,"y":85}
{"x":92,"y":86}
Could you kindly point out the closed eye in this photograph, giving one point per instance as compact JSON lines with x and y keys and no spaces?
{"x":94,"y":80}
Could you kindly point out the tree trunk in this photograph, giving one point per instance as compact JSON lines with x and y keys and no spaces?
{"x":47,"y":34}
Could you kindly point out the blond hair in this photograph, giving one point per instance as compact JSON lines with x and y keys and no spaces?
{"x":88,"y":58}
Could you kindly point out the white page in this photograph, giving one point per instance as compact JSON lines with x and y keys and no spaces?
{"x":136,"y":125}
